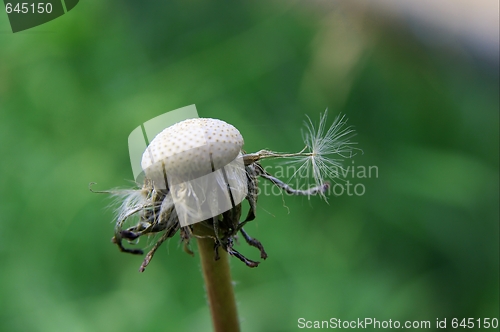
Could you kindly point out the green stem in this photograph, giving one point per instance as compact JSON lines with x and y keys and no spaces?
{"x":219,"y":286}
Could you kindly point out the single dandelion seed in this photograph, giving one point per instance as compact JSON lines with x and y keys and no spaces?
{"x":325,"y":150}
{"x":323,"y":154}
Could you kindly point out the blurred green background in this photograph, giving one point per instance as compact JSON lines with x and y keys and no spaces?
{"x":421,"y":243}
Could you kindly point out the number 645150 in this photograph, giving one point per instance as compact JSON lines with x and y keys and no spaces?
{"x":24,"y":8}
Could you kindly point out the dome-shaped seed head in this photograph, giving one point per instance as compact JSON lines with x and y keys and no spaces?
{"x":191,"y":148}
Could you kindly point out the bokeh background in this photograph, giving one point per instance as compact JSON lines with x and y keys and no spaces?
{"x":417,"y":80}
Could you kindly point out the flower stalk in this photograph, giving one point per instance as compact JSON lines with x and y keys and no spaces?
{"x":218,"y":284}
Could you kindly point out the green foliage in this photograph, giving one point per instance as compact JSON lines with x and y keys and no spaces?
{"x":421,"y":243}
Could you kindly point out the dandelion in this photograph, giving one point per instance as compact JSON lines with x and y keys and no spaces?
{"x":196,"y":176}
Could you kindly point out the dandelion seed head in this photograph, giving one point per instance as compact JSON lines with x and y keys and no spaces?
{"x":207,"y":186}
